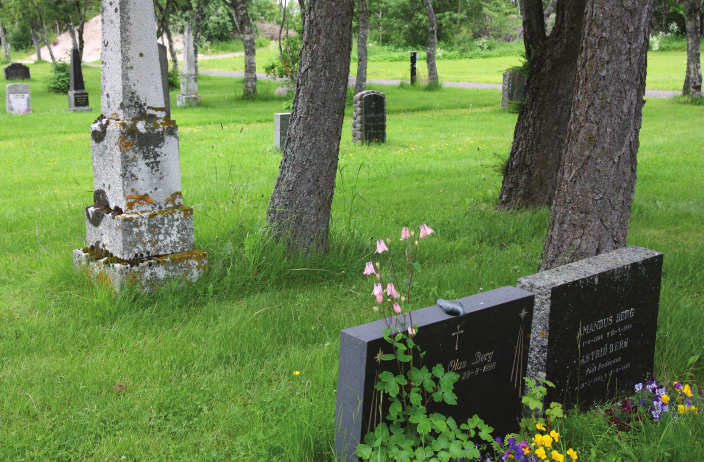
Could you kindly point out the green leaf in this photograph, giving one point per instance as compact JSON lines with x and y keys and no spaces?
{"x":437,"y":396}
{"x":438,"y":370}
{"x":389,"y":357}
{"x":401,"y":380}
{"x":395,"y":409}
{"x":456,"y":449}
{"x":424,"y":427}
{"x":691,"y":361}
{"x":416,"y":265}
{"x":386,"y":376}
{"x":364,"y":451}
{"x":416,"y":399}
{"x":404,"y":358}
{"x":444,"y":456}
{"x":391,"y":388}
{"x":449,"y":398}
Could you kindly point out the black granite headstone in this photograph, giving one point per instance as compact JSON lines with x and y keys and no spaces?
{"x":487,"y":347}
{"x":414,"y":59}
{"x":16,"y":71}
{"x":374,"y":105}
{"x":76,"y":83}
{"x":595,"y":323}
{"x":512,"y":89}
{"x":164,"y":64}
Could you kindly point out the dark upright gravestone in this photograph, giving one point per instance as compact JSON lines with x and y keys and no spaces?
{"x":512,"y":88}
{"x":414,"y":60}
{"x":16,"y":71}
{"x":77,"y":94}
{"x":281,"y":123}
{"x":487,"y":347}
{"x":369,"y":117}
{"x":594,"y":324}
{"x":164,"y":65}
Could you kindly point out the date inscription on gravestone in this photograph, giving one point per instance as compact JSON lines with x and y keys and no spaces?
{"x":487,"y":347}
{"x":80,"y":99}
{"x":595,"y":324}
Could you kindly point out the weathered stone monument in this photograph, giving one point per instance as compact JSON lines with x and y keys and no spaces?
{"x":281,"y":122}
{"x":16,"y":71}
{"x":138,"y":230}
{"x":189,"y":80}
{"x":77,"y":94}
{"x":487,"y":346}
{"x":369,"y":118}
{"x":414,"y":60}
{"x":164,"y":66}
{"x":512,"y":88}
{"x":17,"y":99}
{"x":594,"y":324}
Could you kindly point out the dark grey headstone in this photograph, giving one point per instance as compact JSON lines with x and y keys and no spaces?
{"x":164,"y":64}
{"x":16,"y":71}
{"x":414,"y":60}
{"x":281,"y":122}
{"x":369,"y":117}
{"x":512,"y":88}
{"x":487,"y":347}
{"x":595,"y":323}
{"x":76,"y":83}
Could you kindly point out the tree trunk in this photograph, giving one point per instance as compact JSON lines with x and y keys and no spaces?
{"x":541,"y":130}
{"x":244,"y":26}
{"x":3,"y":41}
{"x":693,"y":77}
{"x":597,"y":178}
{"x":71,"y":30}
{"x":432,"y":43}
{"x":361,"y":82}
{"x":164,"y":28}
{"x":35,"y":39}
{"x":41,"y":23}
{"x":196,"y":32}
{"x":299,"y":211}
{"x":81,"y":25}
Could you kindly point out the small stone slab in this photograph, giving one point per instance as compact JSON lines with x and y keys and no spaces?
{"x":18,"y":99}
{"x":189,"y":79}
{"x":487,"y":347}
{"x":369,"y":117}
{"x":181,"y":269}
{"x":595,"y":324}
{"x":16,"y":71}
{"x":512,"y":88}
{"x":281,"y":123}
{"x":187,"y":100}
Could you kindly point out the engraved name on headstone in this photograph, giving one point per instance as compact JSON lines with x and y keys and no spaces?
{"x":281,"y":123}
{"x":77,"y":94}
{"x":512,"y":88}
{"x":594,"y":324}
{"x":18,"y":99}
{"x":487,"y":347}
{"x":16,"y":71}
{"x":369,"y":117}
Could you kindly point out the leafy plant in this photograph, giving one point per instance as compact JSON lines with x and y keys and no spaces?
{"x":174,"y":79}
{"x":59,"y":80}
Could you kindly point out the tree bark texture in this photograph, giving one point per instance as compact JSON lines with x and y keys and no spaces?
{"x":541,"y":130}
{"x":196,"y":32}
{"x":3,"y":41}
{"x":693,"y":77}
{"x":299,"y":210}
{"x":597,"y":178}
{"x":164,"y":28}
{"x":43,"y":30}
{"x":81,"y":25}
{"x":432,"y":43}
{"x":533,"y":25}
{"x":71,"y":30}
{"x":35,"y":39}
{"x":238,"y":8}
{"x":363,"y":12}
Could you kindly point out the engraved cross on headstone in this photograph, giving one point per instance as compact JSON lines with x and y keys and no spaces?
{"x":457,"y":340}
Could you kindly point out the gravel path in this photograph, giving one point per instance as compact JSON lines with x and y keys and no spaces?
{"x":470,"y":85}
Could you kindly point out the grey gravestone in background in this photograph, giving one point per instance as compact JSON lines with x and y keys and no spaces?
{"x":17,"y":99}
{"x":414,"y":60}
{"x":594,"y":324}
{"x":164,"y":66}
{"x":137,"y":230}
{"x":487,"y":347}
{"x":189,"y":80}
{"x":512,"y":88}
{"x":281,"y":122}
{"x":369,"y":117}
{"x":77,"y":94}
{"x":16,"y":71}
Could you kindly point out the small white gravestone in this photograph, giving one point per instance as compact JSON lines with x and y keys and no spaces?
{"x":189,"y":79}
{"x":281,"y":123}
{"x":17,"y":99}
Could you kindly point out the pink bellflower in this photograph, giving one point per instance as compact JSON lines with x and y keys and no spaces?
{"x":391,"y":290}
{"x":397,"y":308}
{"x":369,"y":269}
{"x":378,"y":291}
{"x":405,"y":233}
{"x":425,"y":230}
{"x":381,"y":246}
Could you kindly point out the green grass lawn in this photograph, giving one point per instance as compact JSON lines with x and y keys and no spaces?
{"x":207,"y":373}
{"x":665,"y":68}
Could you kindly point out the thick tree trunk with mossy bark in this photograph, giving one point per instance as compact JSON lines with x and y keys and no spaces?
{"x":597,"y":178}
{"x":238,"y":8}
{"x":541,"y":130}
{"x":3,"y":41}
{"x":363,"y":12}
{"x":299,"y":210}
{"x":432,"y":43}
{"x":693,"y":78}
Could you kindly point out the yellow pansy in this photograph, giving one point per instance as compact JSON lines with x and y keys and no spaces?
{"x":665,"y":399}
{"x":572,"y":454}
{"x":539,"y":439}
{"x":555,"y":435}
{"x":547,"y":441}
{"x":526,"y":451}
{"x":540,"y":452}
{"x":557,"y":457}
{"x":687,"y":391}
{"x":540,"y":427}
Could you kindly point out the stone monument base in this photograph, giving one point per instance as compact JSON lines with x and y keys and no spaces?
{"x":187,"y":100}
{"x":80,"y":109}
{"x":78,"y":101}
{"x":179,"y":268}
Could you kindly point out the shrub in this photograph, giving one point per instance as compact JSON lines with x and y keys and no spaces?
{"x":59,"y":80}
{"x":174,"y":79}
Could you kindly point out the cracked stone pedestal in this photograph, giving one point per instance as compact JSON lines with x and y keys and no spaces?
{"x":137,"y":230}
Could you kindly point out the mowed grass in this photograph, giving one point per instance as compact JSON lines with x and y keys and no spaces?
{"x":206,"y":373}
{"x":666,"y":69}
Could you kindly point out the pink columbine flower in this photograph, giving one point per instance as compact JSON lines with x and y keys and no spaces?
{"x":369,"y":269}
{"x":391,"y":290}
{"x":381,"y":246}
{"x":378,"y":291}
{"x":405,"y":233}
{"x":397,"y":308}
{"x":425,"y":230}
{"x":411,"y":331}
